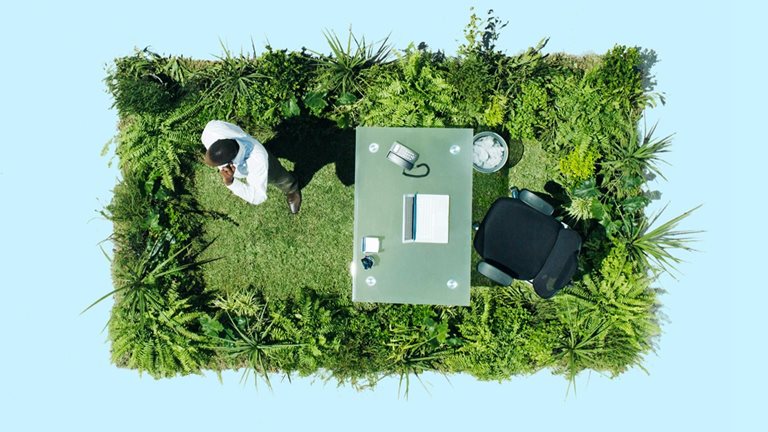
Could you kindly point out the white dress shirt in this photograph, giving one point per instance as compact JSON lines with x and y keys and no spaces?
{"x":252,"y":168}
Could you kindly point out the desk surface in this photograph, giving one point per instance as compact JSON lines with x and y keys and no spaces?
{"x":414,"y":273}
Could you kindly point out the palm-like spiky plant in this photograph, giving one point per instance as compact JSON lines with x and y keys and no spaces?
{"x":416,"y":348}
{"x":142,"y":282}
{"x":178,"y":69}
{"x":242,"y":302}
{"x":255,"y":345}
{"x":653,"y":247}
{"x":582,"y":343}
{"x":580,"y":208}
{"x":633,"y":158}
{"x":415,"y":365}
{"x":231,"y":82}
{"x":344,"y":70}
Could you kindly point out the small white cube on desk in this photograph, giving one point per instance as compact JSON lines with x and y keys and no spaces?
{"x":370,"y":244}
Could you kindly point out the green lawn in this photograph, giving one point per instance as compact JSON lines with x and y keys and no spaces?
{"x":267,"y":248}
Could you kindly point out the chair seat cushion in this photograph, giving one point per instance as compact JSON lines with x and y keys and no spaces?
{"x":518,"y":236}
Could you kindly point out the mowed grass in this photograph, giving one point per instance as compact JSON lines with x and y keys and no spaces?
{"x":534,"y":170}
{"x":266,"y":248}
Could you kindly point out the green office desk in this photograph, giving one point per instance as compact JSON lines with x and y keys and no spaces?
{"x":414,"y":273}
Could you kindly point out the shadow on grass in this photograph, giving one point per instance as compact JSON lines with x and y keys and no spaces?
{"x":556,"y":196}
{"x":311,"y":143}
{"x":516,"y":151}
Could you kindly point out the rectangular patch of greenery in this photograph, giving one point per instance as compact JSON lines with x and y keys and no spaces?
{"x":206,"y":281}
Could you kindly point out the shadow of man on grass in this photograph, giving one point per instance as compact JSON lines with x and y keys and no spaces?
{"x":311,"y":143}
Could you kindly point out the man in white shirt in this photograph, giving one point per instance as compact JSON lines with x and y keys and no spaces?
{"x":239,"y":155}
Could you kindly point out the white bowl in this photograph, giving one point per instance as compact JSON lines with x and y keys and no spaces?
{"x":489,"y":152}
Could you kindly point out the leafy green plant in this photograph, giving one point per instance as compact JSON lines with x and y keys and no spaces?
{"x":140,"y":85}
{"x":152,"y":148}
{"x":609,"y":318}
{"x":496,"y":110}
{"x":580,"y":208}
{"x":468,"y":77}
{"x":420,"y":345}
{"x":620,"y":75}
{"x":213,"y":328}
{"x":590,"y":342}
{"x":481,"y":36}
{"x":528,"y":67}
{"x":315,"y":101}
{"x":482,"y":97}
{"x":278,"y":96}
{"x":622,"y":294}
{"x":416,"y":94}
{"x":319,"y":323}
{"x":132,"y":214}
{"x":528,"y":119}
{"x":163,"y":341}
{"x":178,"y":69}
{"x":580,"y":110}
{"x":241,"y":302}
{"x":594,"y":204}
{"x":140,"y":210}
{"x":503,"y":334}
{"x":579,"y":163}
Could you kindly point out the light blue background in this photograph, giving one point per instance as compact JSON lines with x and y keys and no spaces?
{"x":708,"y":374}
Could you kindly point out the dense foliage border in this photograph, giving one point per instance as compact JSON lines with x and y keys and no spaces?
{"x":583,"y":110}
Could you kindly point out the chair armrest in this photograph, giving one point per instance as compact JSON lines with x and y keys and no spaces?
{"x":560,"y":266}
{"x":494,"y":274}
{"x":536,"y":202}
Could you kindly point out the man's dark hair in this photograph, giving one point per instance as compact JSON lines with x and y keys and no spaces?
{"x":223,"y":151}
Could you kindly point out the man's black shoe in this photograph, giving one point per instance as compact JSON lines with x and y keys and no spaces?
{"x":294,"y":201}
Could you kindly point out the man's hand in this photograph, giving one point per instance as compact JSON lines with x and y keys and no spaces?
{"x":228,"y":174}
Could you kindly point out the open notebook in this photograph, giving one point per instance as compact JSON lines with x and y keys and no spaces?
{"x":425,"y":218}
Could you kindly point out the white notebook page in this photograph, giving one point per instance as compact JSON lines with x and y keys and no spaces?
{"x":432,"y":218}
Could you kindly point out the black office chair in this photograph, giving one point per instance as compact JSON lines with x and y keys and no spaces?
{"x":520,"y":239}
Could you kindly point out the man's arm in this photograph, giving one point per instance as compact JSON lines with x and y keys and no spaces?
{"x":255,"y":190}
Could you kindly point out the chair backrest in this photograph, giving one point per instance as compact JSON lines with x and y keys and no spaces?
{"x":560,"y":266}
